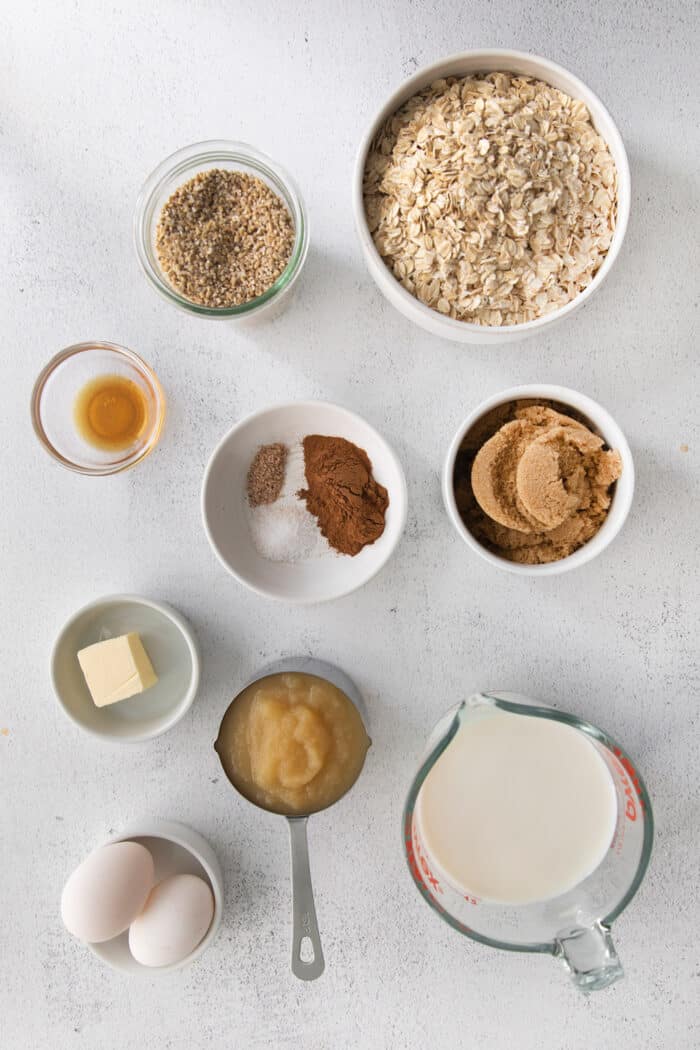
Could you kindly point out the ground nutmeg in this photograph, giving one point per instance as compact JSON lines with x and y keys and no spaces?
{"x":342,"y":493}
{"x":266,"y":474}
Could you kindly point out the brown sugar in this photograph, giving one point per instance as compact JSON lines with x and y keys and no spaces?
{"x":534,"y":484}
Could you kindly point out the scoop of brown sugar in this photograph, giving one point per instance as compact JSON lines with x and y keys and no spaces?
{"x":494,"y":473}
{"x":556,"y":472}
{"x":543,"y":481}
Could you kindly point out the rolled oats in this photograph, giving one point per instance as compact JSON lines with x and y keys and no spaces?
{"x":491,"y":198}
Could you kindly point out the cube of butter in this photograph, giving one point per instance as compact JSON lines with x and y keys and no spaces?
{"x":116,"y":669}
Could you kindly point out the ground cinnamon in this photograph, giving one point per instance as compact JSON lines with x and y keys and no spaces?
{"x":342,"y":493}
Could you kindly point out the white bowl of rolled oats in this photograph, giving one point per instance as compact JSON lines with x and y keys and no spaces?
{"x":491,"y":196}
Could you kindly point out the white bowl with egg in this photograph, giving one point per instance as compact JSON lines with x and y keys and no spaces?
{"x":176,"y":850}
{"x":461,"y":65}
{"x":599,"y":420}
{"x":171,"y":646}
{"x":224,"y":513}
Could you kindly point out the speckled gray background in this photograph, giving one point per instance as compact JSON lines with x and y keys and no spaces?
{"x":93,"y":97}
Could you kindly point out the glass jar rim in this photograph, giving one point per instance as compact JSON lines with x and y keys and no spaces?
{"x":197,"y":156}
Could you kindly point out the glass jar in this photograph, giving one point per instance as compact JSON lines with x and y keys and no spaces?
{"x":182,"y":166}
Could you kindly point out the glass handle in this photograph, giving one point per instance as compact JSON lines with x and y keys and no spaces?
{"x":307,"y":954}
{"x":590,"y":957}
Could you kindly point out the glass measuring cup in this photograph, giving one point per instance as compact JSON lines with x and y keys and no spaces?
{"x":574,"y":926}
{"x":307,"y":952}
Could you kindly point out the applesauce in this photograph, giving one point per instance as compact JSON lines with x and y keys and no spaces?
{"x":292,"y":743}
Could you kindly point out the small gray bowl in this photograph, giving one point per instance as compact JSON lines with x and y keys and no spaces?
{"x":169,"y":642}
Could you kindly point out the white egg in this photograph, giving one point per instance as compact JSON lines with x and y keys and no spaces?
{"x":107,"y":891}
{"x":176,"y":917}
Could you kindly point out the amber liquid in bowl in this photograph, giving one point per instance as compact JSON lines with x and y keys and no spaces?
{"x":110,"y":412}
{"x":292,"y":743}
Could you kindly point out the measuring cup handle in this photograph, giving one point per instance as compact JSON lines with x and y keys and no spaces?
{"x":590,"y":957}
{"x":305,"y":926}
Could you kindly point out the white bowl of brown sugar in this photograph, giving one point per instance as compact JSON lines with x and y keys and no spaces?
{"x":538,"y":480}
{"x":491,"y":195}
{"x":303,"y":502}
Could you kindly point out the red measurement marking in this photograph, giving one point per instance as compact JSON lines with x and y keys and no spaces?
{"x":629,"y":769}
{"x":415,"y":870}
{"x":629,"y":779}
{"x":419,"y":862}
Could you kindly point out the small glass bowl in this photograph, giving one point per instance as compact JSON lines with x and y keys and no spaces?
{"x":53,"y":405}
{"x":183,"y":166}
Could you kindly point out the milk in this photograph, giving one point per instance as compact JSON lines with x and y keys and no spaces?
{"x":517,"y":808}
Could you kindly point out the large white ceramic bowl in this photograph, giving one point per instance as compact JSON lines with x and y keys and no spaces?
{"x":171,"y":646}
{"x":602,"y":423}
{"x":464,"y":64}
{"x":176,"y":850}
{"x":225,"y":516}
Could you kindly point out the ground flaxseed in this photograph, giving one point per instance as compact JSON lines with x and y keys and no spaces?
{"x":223,"y":238}
{"x":266,"y":474}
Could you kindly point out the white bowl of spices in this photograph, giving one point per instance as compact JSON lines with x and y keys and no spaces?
{"x":303,"y":502}
{"x":491,"y":196}
{"x":221,"y":231}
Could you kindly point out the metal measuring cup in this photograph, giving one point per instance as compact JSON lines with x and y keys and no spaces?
{"x":304,"y":922}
